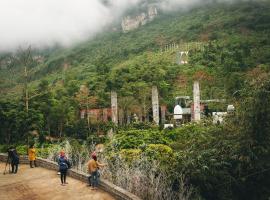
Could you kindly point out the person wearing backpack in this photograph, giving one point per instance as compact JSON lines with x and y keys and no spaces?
{"x":64,"y":165}
{"x":93,"y":166}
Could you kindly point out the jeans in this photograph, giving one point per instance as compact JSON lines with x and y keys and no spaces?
{"x":94,"y":179}
{"x":89,"y":180}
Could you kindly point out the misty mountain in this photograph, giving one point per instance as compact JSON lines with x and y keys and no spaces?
{"x":237,"y":32}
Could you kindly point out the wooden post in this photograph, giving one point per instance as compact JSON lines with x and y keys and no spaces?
{"x":26,"y":89}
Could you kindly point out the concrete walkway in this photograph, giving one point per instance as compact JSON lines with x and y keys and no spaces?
{"x":42,"y":184}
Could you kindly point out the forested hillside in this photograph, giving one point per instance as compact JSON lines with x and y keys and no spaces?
{"x":235,"y":38}
{"x":232,"y":38}
{"x":229,"y":54}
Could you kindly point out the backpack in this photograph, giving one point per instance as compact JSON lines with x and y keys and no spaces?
{"x":68,"y":164}
{"x":63,"y":164}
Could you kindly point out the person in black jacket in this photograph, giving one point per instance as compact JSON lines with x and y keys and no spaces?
{"x":14,"y":158}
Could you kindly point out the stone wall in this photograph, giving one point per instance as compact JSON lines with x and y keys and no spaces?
{"x":117,"y":192}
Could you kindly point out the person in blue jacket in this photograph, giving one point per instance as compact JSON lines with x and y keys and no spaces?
{"x":64,"y":165}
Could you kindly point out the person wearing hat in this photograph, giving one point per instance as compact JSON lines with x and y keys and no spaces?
{"x":93,"y":166}
{"x":32,"y":156}
{"x":64,"y":165}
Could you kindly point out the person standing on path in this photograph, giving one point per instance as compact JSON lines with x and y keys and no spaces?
{"x":14,"y":157}
{"x":32,"y":156}
{"x":64,"y":165}
{"x":93,"y":166}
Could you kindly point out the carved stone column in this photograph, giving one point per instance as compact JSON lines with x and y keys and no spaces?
{"x":155,"y":105}
{"x":114,"y":107}
{"x":196,"y":101}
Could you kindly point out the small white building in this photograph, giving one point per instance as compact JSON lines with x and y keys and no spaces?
{"x":178,"y":112}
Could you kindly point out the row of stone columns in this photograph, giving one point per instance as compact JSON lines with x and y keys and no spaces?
{"x":155,"y":104}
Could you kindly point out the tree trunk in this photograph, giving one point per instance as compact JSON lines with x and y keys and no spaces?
{"x":61,"y":129}
{"x":48,"y":126}
{"x":26,"y":89}
{"x":88,"y":120}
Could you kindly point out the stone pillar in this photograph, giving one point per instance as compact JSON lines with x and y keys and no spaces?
{"x":196,"y":101}
{"x":114,"y":107}
{"x":104,"y":114}
{"x":163,"y":114}
{"x":155,"y":105}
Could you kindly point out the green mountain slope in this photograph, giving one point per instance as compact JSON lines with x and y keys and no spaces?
{"x":229,"y":53}
{"x":234,"y":37}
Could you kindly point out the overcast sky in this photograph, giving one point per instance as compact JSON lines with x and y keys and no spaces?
{"x":42,"y":23}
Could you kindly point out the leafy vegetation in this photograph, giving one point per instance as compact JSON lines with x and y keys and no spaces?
{"x":229,"y":161}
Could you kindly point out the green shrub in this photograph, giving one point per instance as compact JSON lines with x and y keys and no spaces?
{"x":132,"y":139}
{"x":159,"y":152}
{"x":22,"y":149}
{"x":3,"y":148}
{"x":130,"y":154}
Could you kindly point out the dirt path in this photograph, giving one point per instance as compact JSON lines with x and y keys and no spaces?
{"x":42,"y":184}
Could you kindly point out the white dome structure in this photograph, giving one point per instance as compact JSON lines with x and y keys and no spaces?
{"x":178,"y":112}
{"x":230,"y":108}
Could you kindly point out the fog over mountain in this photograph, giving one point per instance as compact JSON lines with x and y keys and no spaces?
{"x":43,"y":23}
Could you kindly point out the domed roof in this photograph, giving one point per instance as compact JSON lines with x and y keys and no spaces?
{"x":230,"y":108}
{"x":178,"y":110}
